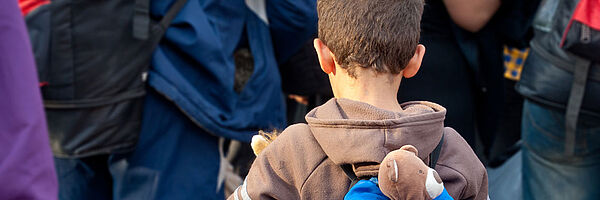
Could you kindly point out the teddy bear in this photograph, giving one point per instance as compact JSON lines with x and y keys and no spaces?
{"x":403,"y":175}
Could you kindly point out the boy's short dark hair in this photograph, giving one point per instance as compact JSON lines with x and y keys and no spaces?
{"x":382,"y":34}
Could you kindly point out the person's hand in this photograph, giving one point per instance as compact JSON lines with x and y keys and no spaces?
{"x":298,"y":98}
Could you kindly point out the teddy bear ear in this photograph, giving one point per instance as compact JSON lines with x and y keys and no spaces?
{"x":259,"y":143}
{"x":410,"y":148}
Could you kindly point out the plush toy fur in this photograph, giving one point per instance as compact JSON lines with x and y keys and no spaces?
{"x":403,"y":175}
{"x":262,"y":140}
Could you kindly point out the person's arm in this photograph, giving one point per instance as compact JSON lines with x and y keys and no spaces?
{"x":471,"y":15}
{"x":268,"y":178}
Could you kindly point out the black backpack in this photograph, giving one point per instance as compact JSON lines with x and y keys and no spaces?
{"x":563,"y":69}
{"x":92,"y":59}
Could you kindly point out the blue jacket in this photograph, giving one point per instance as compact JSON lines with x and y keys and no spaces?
{"x":193,"y":66}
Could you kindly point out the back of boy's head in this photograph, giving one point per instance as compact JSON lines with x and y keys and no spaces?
{"x":378,"y":34}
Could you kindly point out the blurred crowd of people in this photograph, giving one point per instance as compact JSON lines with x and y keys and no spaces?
{"x":160,"y":99}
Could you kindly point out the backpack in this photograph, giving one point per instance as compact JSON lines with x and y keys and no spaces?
{"x":563,"y":69}
{"x":92,"y":59}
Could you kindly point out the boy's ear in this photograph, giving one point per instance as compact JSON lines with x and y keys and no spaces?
{"x":415,"y":62}
{"x":325,"y":57}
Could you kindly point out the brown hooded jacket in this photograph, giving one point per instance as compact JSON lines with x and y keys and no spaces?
{"x":304,"y":161}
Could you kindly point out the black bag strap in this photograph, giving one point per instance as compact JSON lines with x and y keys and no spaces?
{"x":580,"y":74}
{"x":433,"y":158}
{"x":350,"y":173}
{"x":435,"y":154}
{"x":141,"y":18}
{"x":172,"y":13}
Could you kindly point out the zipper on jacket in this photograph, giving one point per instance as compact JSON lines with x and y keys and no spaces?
{"x":586,"y":35}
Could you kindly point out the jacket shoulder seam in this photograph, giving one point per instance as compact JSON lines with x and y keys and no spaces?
{"x":311,"y":173}
{"x":313,"y":168}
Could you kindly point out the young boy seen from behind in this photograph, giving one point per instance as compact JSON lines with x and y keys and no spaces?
{"x":366,"y":47}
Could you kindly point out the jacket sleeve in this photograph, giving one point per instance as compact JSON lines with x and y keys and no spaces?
{"x":482,"y":194}
{"x":267,"y":179}
{"x":463,"y":174}
{"x":282,"y":167}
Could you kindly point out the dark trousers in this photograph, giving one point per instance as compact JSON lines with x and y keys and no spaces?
{"x":85,"y":178}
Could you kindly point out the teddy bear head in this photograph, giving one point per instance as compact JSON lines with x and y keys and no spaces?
{"x":403,"y":175}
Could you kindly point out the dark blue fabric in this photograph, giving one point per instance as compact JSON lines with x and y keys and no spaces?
{"x":290,"y":22}
{"x":193,"y":65}
{"x":365,"y":189}
{"x":174,"y":159}
{"x":84,"y":178}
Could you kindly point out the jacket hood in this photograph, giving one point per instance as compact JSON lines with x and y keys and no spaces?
{"x":352,"y":132}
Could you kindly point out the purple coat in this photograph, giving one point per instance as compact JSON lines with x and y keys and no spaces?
{"x":26,"y":165}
